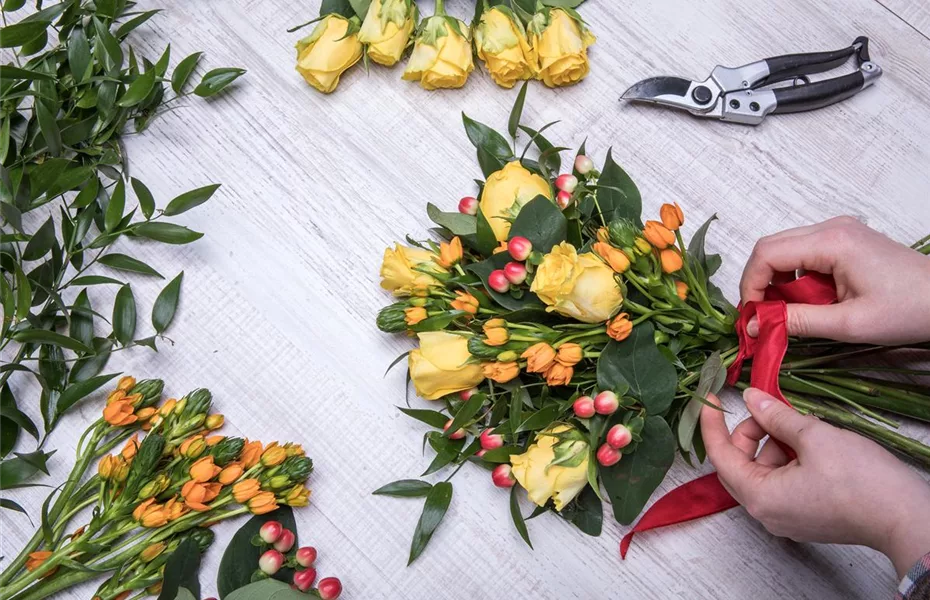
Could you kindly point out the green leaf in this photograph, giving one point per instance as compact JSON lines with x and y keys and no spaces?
{"x":10,"y":411}
{"x":76,"y":392}
{"x":95,"y":280}
{"x":15,"y":471}
{"x":631,"y":482}
{"x":106,"y":8}
{"x":146,"y":200}
{"x":138,"y":90}
{"x":168,"y":233}
{"x":430,"y":417}
{"x":541,"y":222}
{"x":518,"y":398}
{"x":82,"y":322}
{"x":515,"y":114}
{"x":116,"y":206}
{"x":434,"y":509}
{"x":550,"y":159}
{"x":637,"y":362}
{"x":540,"y":419}
{"x":488,"y":162}
{"x":360,"y":7}
{"x":182,"y":72}
{"x":42,"y":241}
{"x":487,"y":241}
{"x":266,"y":589}
{"x":10,"y":505}
{"x":189,"y":200}
{"x":515,"y":513}
{"x":21,"y":33}
{"x":181,"y":571}
{"x":466,"y":412}
{"x":585,"y":512}
{"x":90,"y":366}
{"x":124,"y":315}
{"x":215,"y":81}
{"x":483,"y":137}
{"x":502,"y":454}
{"x":167,"y":304}
{"x":125,"y":28}
{"x":49,"y":126}
{"x":79,"y":58}
{"x":456,"y":222}
{"x":122,"y":262}
{"x":87,"y":195}
{"x":241,"y":557}
{"x":713,"y":376}
{"x":696,"y":251}
{"x":10,"y":72}
{"x":404,"y":488}
{"x":617,"y":195}
{"x":23,"y":293}
{"x":44,"y":336}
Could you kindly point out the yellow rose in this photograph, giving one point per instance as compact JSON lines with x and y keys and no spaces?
{"x":506,"y":192}
{"x":555,"y":466}
{"x":560,"y":42}
{"x":441,"y":55}
{"x":326,"y":53}
{"x":387,"y":28}
{"x":500,"y":41}
{"x":579,"y":286}
{"x":402,"y":270}
{"x":441,"y":365}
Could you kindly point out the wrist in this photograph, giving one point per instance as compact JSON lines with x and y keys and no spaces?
{"x":907,"y":537}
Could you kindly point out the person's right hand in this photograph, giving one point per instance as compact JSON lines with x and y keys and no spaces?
{"x":883,"y":287}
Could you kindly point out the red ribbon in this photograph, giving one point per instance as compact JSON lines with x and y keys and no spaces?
{"x":706,"y":496}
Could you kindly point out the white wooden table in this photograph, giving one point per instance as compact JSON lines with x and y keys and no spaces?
{"x":279,"y":298}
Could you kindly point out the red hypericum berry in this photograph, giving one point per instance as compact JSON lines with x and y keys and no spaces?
{"x":519,"y":247}
{"x":563,"y":200}
{"x":490,"y":440}
{"x":329,"y":588}
{"x":455,"y":435}
{"x":303,"y":580}
{"x":270,"y":532}
{"x":584,"y":407}
{"x":468,"y":205}
{"x":465,"y":395}
{"x":498,"y":281}
{"x":502,"y":476}
{"x":566,"y":182}
{"x":608,"y":456}
{"x":583,"y":164}
{"x":515,"y":272}
{"x":270,"y":562}
{"x":619,"y":437}
{"x":286,"y":541}
{"x":606,"y":403}
{"x":306,"y":556}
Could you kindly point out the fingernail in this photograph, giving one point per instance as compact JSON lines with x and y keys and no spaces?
{"x":752,"y":328}
{"x":758,"y":399}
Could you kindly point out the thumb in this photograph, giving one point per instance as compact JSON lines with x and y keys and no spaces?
{"x":812,"y":320}
{"x":778,"y":419}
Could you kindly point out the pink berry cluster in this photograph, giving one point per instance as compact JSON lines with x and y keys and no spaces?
{"x":566,"y":183}
{"x":514,"y":272}
{"x":279,"y":555}
{"x":618,"y":437}
{"x":501,"y":475}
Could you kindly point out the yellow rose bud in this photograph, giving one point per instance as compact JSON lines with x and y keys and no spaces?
{"x":506,"y":192}
{"x":214,"y":421}
{"x":614,"y":257}
{"x":450,"y":253}
{"x":298,"y":495}
{"x":152,"y":551}
{"x":465,"y":302}
{"x":620,"y":327}
{"x":501,"y":372}
{"x":406,"y":271}
{"x":501,"y":43}
{"x":543,"y":480}
{"x":671,"y":260}
{"x":262,"y":503}
{"x":560,"y":43}
{"x":672,"y":216}
{"x":245,"y":490}
{"x":126,"y":383}
{"x":324,"y":55}
{"x":387,"y":28}
{"x":496,"y":332}
{"x":273,"y":455}
{"x":251,"y":454}
{"x":559,"y":374}
{"x":570,"y":354}
{"x":441,"y":365}
{"x":578,"y":286}
{"x":441,"y":55}
{"x":539,"y":357}
{"x":414,"y":314}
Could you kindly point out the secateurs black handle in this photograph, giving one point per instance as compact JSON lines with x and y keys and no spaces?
{"x":789,"y":66}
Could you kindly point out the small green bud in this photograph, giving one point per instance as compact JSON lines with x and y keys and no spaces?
{"x":151,"y":390}
{"x":227,"y":450}
{"x":507,"y":356}
{"x":391,"y":318}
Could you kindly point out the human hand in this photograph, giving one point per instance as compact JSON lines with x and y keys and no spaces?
{"x":842,"y":488}
{"x":883,"y":286}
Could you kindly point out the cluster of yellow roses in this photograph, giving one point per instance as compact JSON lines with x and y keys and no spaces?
{"x":552,"y":47}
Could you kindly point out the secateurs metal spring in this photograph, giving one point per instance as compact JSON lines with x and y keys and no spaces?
{"x":742,"y":94}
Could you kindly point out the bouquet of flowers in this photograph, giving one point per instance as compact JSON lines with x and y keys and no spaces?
{"x":569,"y":346}
{"x":516,"y":39}
{"x":152,"y":498}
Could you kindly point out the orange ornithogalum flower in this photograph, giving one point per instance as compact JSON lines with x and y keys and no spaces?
{"x":294,"y":449}
{"x":196,"y":495}
{"x":450,"y":253}
{"x":107,"y":466}
{"x":559,"y":374}
{"x":298,"y":495}
{"x":214,"y":421}
{"x":230,"y":473}
{"x":144,"y":414}
{"x":131,"y":447}
{"x":496,"y":332}
{"x":501,"y":372}
{"x":671,"y":260}
{"x":213,"y":440}
{"x":672,"y":216}
{"x":193,"y":446}
{"x":614,"y":257}
{"x":133,"y":399}
{"x":273,"y":455}
{"x":36,"y":559}
{"x":262,"y":503}
{"x":126,"y":383}
{"x":414,"y":314}
{"x":175,"y":509}
{"x":167,"y":407}
{"x":152,"y":551}
{"x":538,"y":357}
{"x":681,"y":288}
{"x":149,"y":514}
{"x":115,"y":396}
{"x":119,"y":413}
{"x":658,"y":235}
{"x":603,"y":235}
{"x":204,"y":470}
{"x":620,"y":327}
{"x":245,"y":490}
{"x":465,"y":301}
{"x":570,"y":354}
{"x":251,"y":454}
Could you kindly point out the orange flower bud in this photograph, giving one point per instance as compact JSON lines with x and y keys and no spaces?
{"x":502,"y":247}
{"x":214,"y":421}
{"x":152,"y":551}
{"x":147,"y":426}
{"x":614,"y":257}
{"x":251,"y":454}
{"x":450,"y":253}
{"x":245,"y":490}
{"x":501,"y":372}
{"x":78,"y":532}
{"x":658,"y":235}
{"x":213,"y":440}
{"x":465,"y":301}
{"x":133,"y":399}
{"x":298,"y":495}
{"x":671,"y":260}
{"x":414,"y":314}
{"x":119,"y":413}
{"x":496,"y":332}
{"x":681,"y":288}
{"x":539,"y":357}
{"x":603,"y":235}
{"x":126,"y":383}
{"x":197,"y":495}
{"x":144,"y":414}
{"x":36,"y":559}
{"x":230,"y":473}
{"x":175,"y":509}
{"x":273,"y":455}
{"x":620,"y":327}
{"x":131,"y":447}
{"x":115,"y":396}
{"x":262,"y":503}
{"x":167,"y":407}
{"x":150,"y":515}
{"x":569,"y":355}
{"x":672,"y":216}
{"x":193,"y":446}
{"x":559,"y":374}
{"x":106,"y":466}
{"x":204,"y":470}
{"x":155,"y":588}
{"x":294,"y":449}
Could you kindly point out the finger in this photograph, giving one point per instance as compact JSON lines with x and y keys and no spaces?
{"x":803,"y":230}
{"x":780,"y":420}
{"x":735,"y":468}
{"x":809,"y":251}
{"x":747,"y":435}
{"x":812,"y":320}
{"x":772,"y":455}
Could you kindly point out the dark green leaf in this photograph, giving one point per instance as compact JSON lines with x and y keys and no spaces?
{"x":456,"y":222}
{"x":91,"y":365}
{"x":123,"y":262}
{"x":80,"y":390}
{"x":541,"y":222}
{"x":106,"y":8}
{"x":9,"y":410}
{"x":518,"y":398}
{"x":79,"y":58}
{"x":540,"y":419}
{"x":21,"y":33}
{"x":430,"y":417}
{"x":82,"y":322}
{"x":125,"y":28}
{"x":241,"y":557}
{"x":116,"y":206}
{"x":586,"y":512}
{"x":404,"y":488}
{"x":713,"y":376}
{"x":23,"y":294}
{"x":182,"y":72}
{"x":516,"y":113}
{"x":484,"y":137}
{"x":502,"y":454}
{"x":550,"y":159}
{"x":696,"y":250}
{"x":42,"y":241}
{"x":10,"y":505}
{"x":44,"y":336}
{"x":181,"y":571}
{"x":124,"y":315}
{"x":617,"y":195}
{"x":488,"y":162}
{"x":466,"y":412}
{"x":10,"y":72}
{"x":146,"y":201}
{"x":434,"y":509}
{"x":49,"y":126}
{"x":15,"y":471}
{"x":487,"y":241}
{"x":515,"y":513}
{"x":168,"y":233}
{"x":95,"y":280}
{"x":167,"y":304}
{"x":266,"y":589}
{"x":216,"y":80}
{"x":138,"y":90}
{"x":189,"y":200}
{"x":637,"y":362}
{"x":87,"y":195}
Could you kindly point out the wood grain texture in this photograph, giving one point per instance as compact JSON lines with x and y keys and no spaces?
{"x":279,"y":300}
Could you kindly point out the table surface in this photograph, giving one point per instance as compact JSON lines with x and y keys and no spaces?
{"x":279,"y":298}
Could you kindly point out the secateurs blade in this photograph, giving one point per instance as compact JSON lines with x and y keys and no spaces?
{"x":745,"y":94}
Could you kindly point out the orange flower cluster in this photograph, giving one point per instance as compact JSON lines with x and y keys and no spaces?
{"x":662,"y":237}
{"x":556,"y":365}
